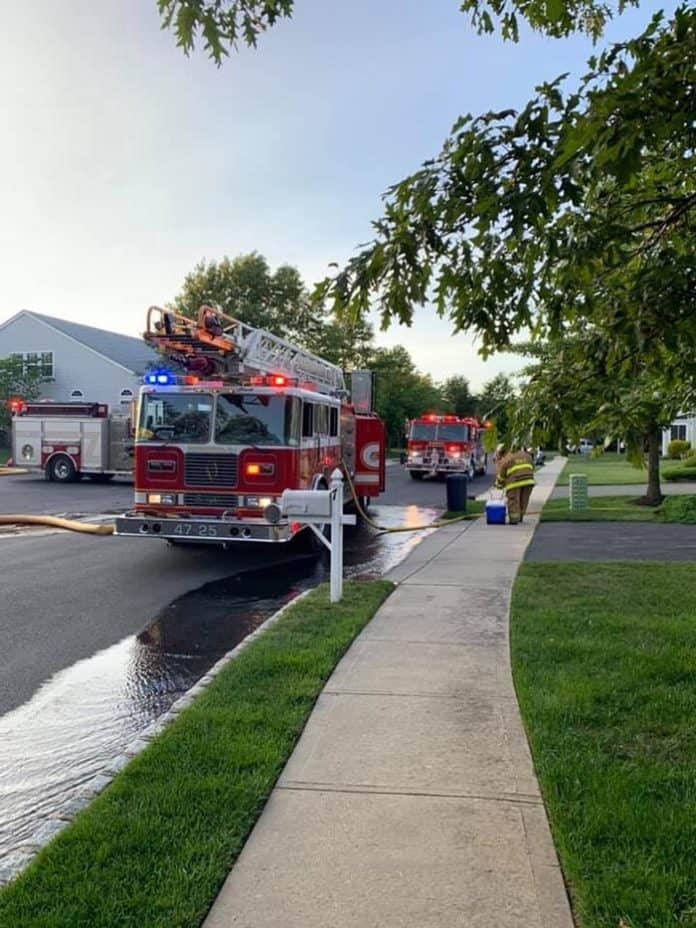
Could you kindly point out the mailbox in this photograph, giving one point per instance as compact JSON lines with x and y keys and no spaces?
{"x":314,"y":504}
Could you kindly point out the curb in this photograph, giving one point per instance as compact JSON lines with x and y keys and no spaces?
{"x":18,"y":859}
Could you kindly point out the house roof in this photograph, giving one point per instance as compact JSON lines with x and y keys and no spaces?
{"x":132,"y":353}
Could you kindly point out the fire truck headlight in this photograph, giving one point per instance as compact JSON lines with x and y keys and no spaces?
{"x":265,"y":501}
{"x":27,"y":452}
{"x":455,"y":454}
{"x":169,"y":499}
{"x":154,"y":498}
{"x":272,"y":513}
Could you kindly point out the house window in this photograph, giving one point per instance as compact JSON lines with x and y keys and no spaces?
{"x":36,"y":362}
{"x":677,"y":433}
{"x":77,"y":395}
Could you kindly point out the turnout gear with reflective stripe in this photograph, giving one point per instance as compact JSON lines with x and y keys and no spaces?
{"x":515,"y":470}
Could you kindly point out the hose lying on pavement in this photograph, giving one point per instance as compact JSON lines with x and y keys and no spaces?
{"x":86,"y":528}
{"x":384,"y":529}
{"x":12,"y":471}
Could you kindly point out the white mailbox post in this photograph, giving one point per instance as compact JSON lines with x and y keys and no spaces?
{"x":319,"y":507}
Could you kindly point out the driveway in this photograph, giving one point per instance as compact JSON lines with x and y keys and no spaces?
{"x":612,"y":541}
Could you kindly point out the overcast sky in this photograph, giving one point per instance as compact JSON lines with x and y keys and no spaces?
{"x":123,"y":163}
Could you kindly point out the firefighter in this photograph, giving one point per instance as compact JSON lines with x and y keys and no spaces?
{"x":515,"y":475}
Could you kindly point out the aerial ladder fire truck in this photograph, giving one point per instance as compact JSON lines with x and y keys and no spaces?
{"x":244,"y":416}
{"x":441,"y":445}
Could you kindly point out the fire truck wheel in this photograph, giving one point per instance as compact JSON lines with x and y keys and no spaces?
{"x":62,"y":470}
{"x":417,"y":474}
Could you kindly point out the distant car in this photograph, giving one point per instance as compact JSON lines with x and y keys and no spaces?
{"x":585,"y":446}
{"x":539,"y":458}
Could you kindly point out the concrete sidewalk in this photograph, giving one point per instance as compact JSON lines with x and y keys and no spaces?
{"x":410,"y":800}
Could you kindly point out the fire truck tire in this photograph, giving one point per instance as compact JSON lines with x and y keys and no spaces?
{"x":417,"y":474}
{"x":61,"y":469}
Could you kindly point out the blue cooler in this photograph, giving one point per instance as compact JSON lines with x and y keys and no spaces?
{"x":495,"y":512}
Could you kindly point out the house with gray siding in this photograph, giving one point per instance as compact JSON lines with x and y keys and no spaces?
{"x":78,"y":362}
{"x":683,"y":428}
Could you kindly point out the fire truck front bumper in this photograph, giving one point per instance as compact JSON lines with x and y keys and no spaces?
{"x":203,"y":529}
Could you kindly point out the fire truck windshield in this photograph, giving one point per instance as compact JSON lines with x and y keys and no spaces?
{"x":453,"y":431}
{"x":183,"y":417}
{"x":423,"y":431}
{"x":257,"y":419}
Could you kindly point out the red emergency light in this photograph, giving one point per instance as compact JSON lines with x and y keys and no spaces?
{"x":271,"y":380}
{"x":16,"y":406}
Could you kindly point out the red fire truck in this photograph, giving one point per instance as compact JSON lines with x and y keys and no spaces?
{"x":440,"y":445}
{"x":71,"y":440}
{"x":252,"y":416}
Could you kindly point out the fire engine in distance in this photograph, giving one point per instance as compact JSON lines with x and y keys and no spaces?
{"x":440,"y":445}
{"x":71,"y":440}
{"x":252,"y":415}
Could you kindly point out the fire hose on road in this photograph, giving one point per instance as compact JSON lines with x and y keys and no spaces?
{"x":87,"y":528}
{"x":383,"y":529}
{"x":70,"y":525}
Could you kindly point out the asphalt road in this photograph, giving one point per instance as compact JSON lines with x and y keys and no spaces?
{"x":33,"y":494}
{"x":402,"y":490}
{"x":65,"y":596}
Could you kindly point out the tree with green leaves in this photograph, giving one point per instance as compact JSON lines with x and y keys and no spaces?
{"x":246,"y":288}
{"x":17,"y":381}
{"x":571,"y":390}
{"x":402,"y":392}
{"x":494,"y":403}
{"x":349,"y":344}
{"x":457,"y":396}
{"x":222,"y":25}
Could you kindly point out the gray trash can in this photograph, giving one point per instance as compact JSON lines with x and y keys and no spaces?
{"x":457,"y":487}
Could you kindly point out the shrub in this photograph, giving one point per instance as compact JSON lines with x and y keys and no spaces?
{"x":677,"y":447}
{"x":680,"y":473}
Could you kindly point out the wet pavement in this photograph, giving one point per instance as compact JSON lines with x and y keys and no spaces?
{"x":87,"y":712}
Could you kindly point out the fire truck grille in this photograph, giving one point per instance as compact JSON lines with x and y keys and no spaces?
{"x":219,"y":500}
{"x":211,"y":470}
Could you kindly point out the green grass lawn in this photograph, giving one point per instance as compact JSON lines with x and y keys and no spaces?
{"x":622,"y":509}
{"x":154,"y":849}
{"x":474,"y":508}
{"x":609,"y":468}
{"x":603,"y":659}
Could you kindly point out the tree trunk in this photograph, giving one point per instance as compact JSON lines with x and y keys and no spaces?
{"x":653,"y":494}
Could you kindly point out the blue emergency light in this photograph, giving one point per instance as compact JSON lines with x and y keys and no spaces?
{"x":163,"y":378}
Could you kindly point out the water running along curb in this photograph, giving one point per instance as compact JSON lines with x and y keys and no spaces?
{"x":12,"y":865}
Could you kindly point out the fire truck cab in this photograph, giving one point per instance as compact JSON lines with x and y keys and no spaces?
{"x":440,"y":445}
{"x":215,"y":449}
{"x":70,"y":440}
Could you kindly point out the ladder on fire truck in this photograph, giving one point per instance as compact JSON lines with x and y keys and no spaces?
{"x":214,"y":344}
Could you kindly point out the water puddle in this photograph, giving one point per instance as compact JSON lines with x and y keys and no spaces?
{"x":88,"y":713}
